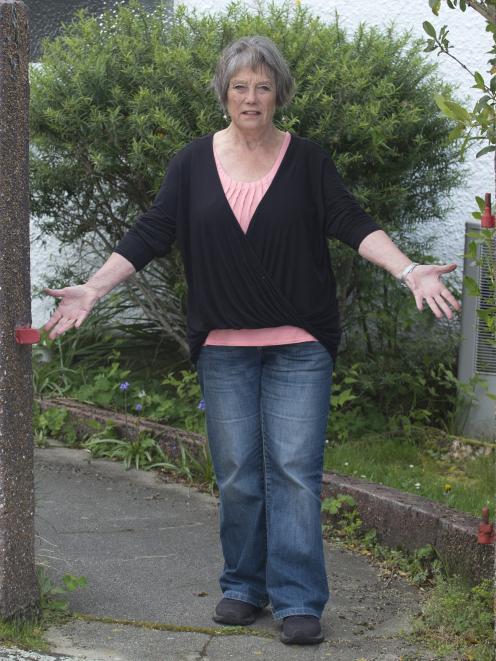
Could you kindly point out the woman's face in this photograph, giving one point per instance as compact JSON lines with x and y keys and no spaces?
{"x":251,"y":99}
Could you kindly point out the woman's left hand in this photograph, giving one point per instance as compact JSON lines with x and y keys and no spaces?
{"x":425,"y":284}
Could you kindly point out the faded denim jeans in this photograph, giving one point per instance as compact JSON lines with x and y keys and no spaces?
{"x":266,"y":414}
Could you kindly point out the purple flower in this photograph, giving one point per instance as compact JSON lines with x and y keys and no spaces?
{"x":124,"y":386}
{"x":202,"y":406}
{"x":138,"y":408}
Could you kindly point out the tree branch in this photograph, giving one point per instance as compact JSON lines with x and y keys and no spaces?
{"x":489,"y":12}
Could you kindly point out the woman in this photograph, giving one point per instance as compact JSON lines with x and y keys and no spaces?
{"x":252,"y":208}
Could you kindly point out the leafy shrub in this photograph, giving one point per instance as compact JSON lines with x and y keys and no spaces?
{"x":395,"y":393}
{"x":54,"y":423}
{"x":53,"y":597}
{"x":104,"y":387}
{"x":180,"y":402}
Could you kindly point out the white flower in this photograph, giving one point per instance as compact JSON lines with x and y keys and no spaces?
{"x":412,"y":466}
{"x":141,"y":394}
{"x":417,"y":485}
{"x":346,"y":463}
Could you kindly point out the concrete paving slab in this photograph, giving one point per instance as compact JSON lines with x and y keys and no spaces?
{"x":150,"y":552}
{"x":123,"y":643}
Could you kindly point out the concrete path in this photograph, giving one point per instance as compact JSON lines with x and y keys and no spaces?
{"x":151,"y":555}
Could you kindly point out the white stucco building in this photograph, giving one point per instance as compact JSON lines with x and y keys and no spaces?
{"x":471,"y":43}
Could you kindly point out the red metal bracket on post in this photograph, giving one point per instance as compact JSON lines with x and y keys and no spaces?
{"x":27,"y":335}
{"x":487,"y":218}
{"x":486,"y":529}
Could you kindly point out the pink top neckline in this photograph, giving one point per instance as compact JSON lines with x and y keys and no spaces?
{"x":270,"y":174}
{"x":244,"y":197}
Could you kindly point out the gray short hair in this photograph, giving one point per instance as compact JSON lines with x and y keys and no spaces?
{"x":253,"y":52}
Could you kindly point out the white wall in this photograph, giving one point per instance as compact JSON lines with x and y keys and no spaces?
{"x":471,"y":44}
{"x":45,"y":256}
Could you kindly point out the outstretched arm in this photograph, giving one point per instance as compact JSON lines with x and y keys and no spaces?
{"x":78,"y":301}
{"x":424,"y":280}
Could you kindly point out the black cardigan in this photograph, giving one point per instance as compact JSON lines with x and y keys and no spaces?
{"x":279,"y":272}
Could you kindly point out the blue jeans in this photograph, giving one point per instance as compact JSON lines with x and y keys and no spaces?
{"x":266,"y":414}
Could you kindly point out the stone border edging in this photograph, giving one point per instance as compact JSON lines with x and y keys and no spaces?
{"x":409,"y":522}
{"x":401,"y":519}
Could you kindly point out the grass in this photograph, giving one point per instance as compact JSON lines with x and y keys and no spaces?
{"x":53,"y":608}
{"x":457,"y":617}
{"x":25,"y":635}
{"x":405,"y":464}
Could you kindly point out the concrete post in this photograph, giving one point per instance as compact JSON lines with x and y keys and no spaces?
{"x":18,"y":584}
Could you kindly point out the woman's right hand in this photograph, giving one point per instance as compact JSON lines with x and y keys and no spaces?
{"x":76,"y":304}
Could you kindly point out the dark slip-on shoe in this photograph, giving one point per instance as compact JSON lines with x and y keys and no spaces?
{"x":235,"y":612}
{"x":301,"y":630}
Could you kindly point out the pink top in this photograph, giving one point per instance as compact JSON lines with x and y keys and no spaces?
{"x":244,"y":197}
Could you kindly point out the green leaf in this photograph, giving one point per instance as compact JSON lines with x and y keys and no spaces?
{"x":430,"y":29}
{"x":58,"y":605}
{"x":441,"y":103}
{"x":488,"y":234}
{"x":452,"y":109}
{"x":479,"y":81}
{"x":471,"y":251}
{"x":481,"y":203}
{"x":486,"y":150}
{"x":471,"y":285}
{"x":443,"y":36}
{"x":459,"y":112}
{"x":73,"y":582}
{"x":482,"y":103}
{"x":435,"y":5}
{"x":456,"y":133}
{"x":431,"y":45}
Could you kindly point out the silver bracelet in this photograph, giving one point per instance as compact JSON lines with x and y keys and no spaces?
{"x":405,"y":273}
